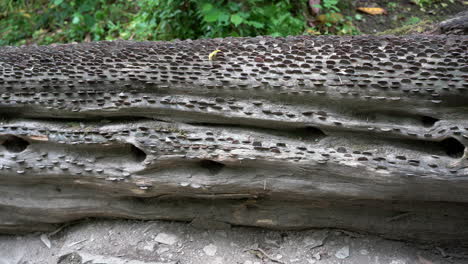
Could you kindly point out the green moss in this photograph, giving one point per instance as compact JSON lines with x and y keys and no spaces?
{"x":417,"y":28}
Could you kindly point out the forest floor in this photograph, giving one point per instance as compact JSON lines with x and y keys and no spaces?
{"x":152,"y":242}
{"x":402,"y":16}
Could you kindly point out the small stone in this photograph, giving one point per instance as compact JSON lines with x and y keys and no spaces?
{"x":316,"y":239}
{"x":218,"y":260}
{"x":162,"y":250}
{"x":210,"y":250}
{"x":317,"y":256}
{"x":167,"y":239}
{"x":398,"y":261}
{"x":71,"y":258}
{"x":149,"y":246}
{"x":364,"y":252}
{"x":342,"y":253}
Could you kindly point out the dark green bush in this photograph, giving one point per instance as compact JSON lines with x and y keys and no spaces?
{"x":45,"y":22}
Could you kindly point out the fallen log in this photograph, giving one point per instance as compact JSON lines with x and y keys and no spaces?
{"x":360,"y":133}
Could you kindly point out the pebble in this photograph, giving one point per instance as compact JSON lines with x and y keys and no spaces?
{"x":317,"y":256}
{"x":167,"y":239}
{"x":149,"y":246}
{"x":342,"y":253}
{"x":210,"y":250}
{"x":218,"y":260}
{"x":162,"y":250}
{"x":316,"y":239}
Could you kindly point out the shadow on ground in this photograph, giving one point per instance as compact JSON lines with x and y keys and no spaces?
{"x":139,"y":242}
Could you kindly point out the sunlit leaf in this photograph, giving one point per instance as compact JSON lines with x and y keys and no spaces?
{"x":236,"y":19}
{"x":76,"y":19}
{"x":207,"y":7}
{"x":255,"y":24}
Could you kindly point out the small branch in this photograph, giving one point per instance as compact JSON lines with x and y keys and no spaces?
{"x":265,"y":254}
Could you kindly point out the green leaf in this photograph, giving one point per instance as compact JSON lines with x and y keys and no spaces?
{"x":236,"y":19}
{"x":58,"y":2}
{"x":255,"y":24}
{"x":76,"y":19}
{"x":207,"y":7}
{"x":224,"y":18}
{"x":233,"y":6}
{"x":212,"y":15}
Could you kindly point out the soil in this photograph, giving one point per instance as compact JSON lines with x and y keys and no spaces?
{"x":401,"y":13}
{"x":151,"y":242}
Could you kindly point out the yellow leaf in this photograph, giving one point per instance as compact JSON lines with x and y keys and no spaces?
{"x":329,"y":18}
{"x":212,"y":55}
{"x":312,"y":32}
{"x":372,"y":10}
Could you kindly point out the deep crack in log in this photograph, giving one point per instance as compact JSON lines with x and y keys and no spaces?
{"x":361,"y":133}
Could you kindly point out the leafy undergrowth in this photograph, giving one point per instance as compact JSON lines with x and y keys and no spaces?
{"x":44,"y":21}
{"x":62,"y":21}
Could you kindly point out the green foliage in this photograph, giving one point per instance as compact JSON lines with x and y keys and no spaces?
{"x":52,"y":21}
{"x":412,"y":20}
{"x":430,"y":3}
{"x":331,"y":5}
{"x":331,"y":21}
{"x":392,"y":5}
{"x":46,"y":22}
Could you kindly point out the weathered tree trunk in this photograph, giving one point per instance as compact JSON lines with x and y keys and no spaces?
{"x":361,"y":133}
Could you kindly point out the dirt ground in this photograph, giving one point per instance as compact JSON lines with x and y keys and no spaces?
{"x":401,"y":13}
{"x":151,"y":242}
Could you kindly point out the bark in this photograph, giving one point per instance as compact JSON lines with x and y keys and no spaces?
{"x":457,"y":25}
{"x":361,"y":133}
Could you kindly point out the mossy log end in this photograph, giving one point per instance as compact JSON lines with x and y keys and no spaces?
{"x":360,"y":133}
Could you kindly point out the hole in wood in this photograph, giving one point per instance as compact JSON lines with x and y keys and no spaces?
{"x":308,"y":133}
{"x":453,"y":147}
{"x":428,"y":121}
{"x":15,"y":144}
{"x":393,"y":117}
{"x":138,"y":154}
{"x":313,"y":131}
{"x":213,"y":167}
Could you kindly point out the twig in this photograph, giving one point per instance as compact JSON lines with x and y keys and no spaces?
{"x":442,"y":252}
{"x":266,"y":255}
{"x":58,"y":230}
{"x":76,"y":243}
